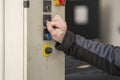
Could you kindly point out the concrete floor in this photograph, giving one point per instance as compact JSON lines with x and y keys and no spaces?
{"x":90,"y":73}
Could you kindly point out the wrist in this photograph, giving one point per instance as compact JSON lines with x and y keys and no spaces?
{"x":63,"y":36}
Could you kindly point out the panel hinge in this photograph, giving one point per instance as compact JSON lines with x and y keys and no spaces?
{"x":26,"y":3}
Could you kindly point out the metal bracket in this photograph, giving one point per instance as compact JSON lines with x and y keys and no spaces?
{"x":26,"y":4}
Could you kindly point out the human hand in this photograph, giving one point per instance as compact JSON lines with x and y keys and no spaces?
{"x":57,"y":28}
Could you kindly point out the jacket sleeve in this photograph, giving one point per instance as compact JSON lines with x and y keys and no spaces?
{"x":103,"y":56}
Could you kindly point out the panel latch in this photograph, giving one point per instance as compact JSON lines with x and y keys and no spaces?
{"x":26,"y":3}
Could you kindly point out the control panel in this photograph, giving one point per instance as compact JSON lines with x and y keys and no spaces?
{"x":44,"y":61}
{"x":47,"y":15}
{"x":47,"y":8}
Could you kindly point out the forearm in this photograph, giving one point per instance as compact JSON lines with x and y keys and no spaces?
{"x":98,"y":54}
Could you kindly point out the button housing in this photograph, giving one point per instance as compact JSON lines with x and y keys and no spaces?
{"x":46,"y":17}
{"x":48,"y":50}
{"x":46,"y":35}
{"x":47,"y":6}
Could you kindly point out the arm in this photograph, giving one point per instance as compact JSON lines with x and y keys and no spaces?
{"x":105,"y":57}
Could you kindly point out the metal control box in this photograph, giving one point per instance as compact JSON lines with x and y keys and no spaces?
{"x":41,"y":66}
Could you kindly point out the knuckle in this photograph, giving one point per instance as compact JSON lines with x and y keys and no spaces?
{"x":47,"y":24}
{"x":53,"y":34}
{"x":57,"y":15}
{"x":49,"y":29}
{"x":52,"y":23}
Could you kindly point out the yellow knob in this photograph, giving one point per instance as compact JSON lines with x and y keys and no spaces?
{"x":57,"y":3}
{"x":46,"y":50}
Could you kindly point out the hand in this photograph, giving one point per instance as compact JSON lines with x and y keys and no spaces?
{"x":57,"y":28}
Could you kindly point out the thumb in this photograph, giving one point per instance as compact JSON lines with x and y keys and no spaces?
{"x":50,"y":27}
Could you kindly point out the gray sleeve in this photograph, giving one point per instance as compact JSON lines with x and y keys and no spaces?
{"x":105,"y":51}
{"x":105,"y":57}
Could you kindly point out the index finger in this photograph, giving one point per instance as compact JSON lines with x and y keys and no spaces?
{"x":50,"y":27}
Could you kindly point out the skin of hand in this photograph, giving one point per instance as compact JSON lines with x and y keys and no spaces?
{"x":57,"y":28}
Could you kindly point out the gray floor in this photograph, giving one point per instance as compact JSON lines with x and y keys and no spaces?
{"x":91,"y":73}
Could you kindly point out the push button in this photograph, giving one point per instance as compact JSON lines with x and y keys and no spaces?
{"x":48,"y":50}
{"x":46,"y":35}
{"x":62,"y":2}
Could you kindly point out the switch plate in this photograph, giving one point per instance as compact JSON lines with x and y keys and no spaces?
{"x":47,"y":6}
{"x":46,"y":35}
{"x":46,"y":18}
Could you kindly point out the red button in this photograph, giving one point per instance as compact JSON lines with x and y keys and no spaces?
{"x":62,"y":2}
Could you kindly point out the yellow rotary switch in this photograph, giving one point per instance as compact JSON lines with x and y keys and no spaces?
{"x":47,"y":50}
{"x":57,"y":3}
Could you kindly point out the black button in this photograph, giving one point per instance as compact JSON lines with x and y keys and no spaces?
{"x":48,"y":50}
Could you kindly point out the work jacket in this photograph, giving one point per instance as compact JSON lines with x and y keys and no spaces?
{"x":103,"y":56}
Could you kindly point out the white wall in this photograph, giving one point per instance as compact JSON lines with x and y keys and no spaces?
{"x":105,"y":7}
{"x":110,"y":21}
{"x":1,"y":40}
{"x":115,"y":23}
{"x":14,"y":40}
